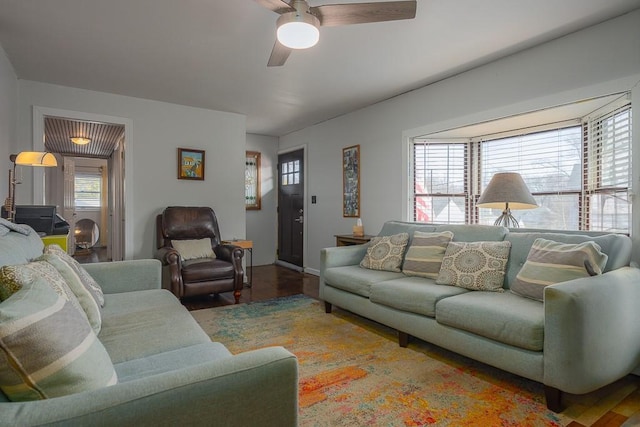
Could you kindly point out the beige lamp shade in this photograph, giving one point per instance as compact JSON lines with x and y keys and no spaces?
{"x":507,"y":190}
{"x":36,"y":158}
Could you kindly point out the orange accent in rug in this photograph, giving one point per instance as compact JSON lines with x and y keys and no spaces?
{"x":312,"y":389}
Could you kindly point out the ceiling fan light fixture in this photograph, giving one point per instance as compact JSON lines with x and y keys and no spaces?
{"x":80,"y":140}
{"x":298,"y":30}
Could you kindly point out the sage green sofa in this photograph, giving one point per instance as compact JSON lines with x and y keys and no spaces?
{"x":169,"y":371}
{"x":582,"y":337}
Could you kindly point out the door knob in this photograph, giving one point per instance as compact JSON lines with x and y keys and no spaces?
{"x":300,"y":220}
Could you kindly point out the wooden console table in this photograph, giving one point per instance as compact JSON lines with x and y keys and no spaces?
{"x":350,"y":239}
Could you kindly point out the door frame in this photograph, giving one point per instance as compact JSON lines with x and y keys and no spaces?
{"x":39,"y":114}
{"x":305,"y":188}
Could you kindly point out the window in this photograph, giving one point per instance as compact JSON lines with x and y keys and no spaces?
{"x":290,"y":174}
{"x":88,"y":190}
{"x":578,"y":171}
{"x":252,"y":197}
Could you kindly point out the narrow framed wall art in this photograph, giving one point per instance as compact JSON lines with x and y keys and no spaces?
{"x":351,"y":182}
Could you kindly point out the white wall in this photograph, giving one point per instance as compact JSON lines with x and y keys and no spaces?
{"x":600,"y":60}
{"x":262,"y":225}
{"x":8,"y":111}
{"x":158,"y":130}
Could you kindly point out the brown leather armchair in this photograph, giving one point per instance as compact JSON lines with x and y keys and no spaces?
{"x":197,"y":276}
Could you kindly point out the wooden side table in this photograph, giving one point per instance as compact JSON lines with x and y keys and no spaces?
{"x":247,"y":245}
{"x":350,"y":239}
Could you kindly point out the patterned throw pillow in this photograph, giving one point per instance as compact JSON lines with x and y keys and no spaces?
{"x":385,"y":253}
{"x":86,"y":297}
{"x":425,"y":254}
{"x":39,"y":273}
{"x":47,"y":349}
{"x":194,"y":249}
{"x":552,"y":262}
{"x":478,"y":266}
{"x":86,"y":279}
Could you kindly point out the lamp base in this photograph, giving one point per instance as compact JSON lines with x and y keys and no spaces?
{"x":507,"y":220}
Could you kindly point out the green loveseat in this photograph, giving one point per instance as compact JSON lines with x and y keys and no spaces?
{"x":582,"y":337}
{"x":169,"y":371}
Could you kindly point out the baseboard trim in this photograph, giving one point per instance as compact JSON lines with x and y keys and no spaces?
{"x":289,"y":266}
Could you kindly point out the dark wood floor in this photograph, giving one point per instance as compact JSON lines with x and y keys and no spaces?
{"x":269,"y":281}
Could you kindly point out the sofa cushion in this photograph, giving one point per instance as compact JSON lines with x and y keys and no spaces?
{"x":194,"y":248}
{"x":87,"y":281}
{"x":355,"y":279}
{"x":425,"y":254}
{"x":413,"y":294}
{"x":552,"y":262}
{"x":142,"y":323}
{"x":385,"y":252}
{"x":475,"y":232}
{"x":170,"y":361}
{"x":48,"y":348}
{"x":475,"y":265}
{"x":503,"y":317}
{"x":41,"y":273}
{"x":86,"y":298}
{"x":17,"y":248}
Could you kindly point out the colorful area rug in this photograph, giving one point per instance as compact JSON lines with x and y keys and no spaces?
{"x":353,"y":373}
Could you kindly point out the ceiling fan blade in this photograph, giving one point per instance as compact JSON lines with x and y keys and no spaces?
{"x":278,"y":6}
{"x":279,"y":55}
{"x":332,"y":15}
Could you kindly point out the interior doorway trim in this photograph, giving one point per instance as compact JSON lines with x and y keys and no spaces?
{"x":39,"y":113}
{"x":305,"y":224}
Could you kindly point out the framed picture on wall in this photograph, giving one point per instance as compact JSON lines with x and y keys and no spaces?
{"x":351,"y":181}
{"x":190,"y":164}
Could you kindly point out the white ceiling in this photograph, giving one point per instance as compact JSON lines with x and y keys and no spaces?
{"x":213,"y":53}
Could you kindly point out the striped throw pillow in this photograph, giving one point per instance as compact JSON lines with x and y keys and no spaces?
{"x":552,"y":262}
{"x":86,"y":279}
{"x":424,"y":256}
{"x":86,"y":298}
{"x":47,"y":349}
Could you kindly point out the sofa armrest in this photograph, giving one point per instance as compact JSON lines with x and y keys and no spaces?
{"x":340,"y":256}
{"x":591,"y":330}
{"x":125,"y":276}
{"x":258,"y":387}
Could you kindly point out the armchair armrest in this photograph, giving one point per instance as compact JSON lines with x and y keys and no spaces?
{"x":125,"y":276}
{"x":256,"y":387}
{"x":231,"y":253}
{"x":591,"y":330}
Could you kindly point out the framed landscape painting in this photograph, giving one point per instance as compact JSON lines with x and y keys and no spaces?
{"x":351,"y":181}
{"x":190,"y":164}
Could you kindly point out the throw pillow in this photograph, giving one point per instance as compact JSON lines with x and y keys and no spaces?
{"x":48,"y":350}
{"x":193,"y":249}
{"x":552,"y":262}
{"x":425,"y":254}
{"x":87,"y":280}
{"x":39,"y":273}
{"x":86,"y":298}
{"x":385,"y":252}
{"x":478,"y":266}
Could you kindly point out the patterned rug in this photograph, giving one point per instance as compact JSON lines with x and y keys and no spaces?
{"x":353,"y":373}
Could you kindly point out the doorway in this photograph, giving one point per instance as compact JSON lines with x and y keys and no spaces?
{"x":104,"y":155}
{"x":291,"y":208}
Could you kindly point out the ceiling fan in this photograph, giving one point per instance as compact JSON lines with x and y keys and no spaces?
{"x":298,"y":24}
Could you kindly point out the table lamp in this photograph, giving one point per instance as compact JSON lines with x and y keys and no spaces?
{"x":507,"y":191}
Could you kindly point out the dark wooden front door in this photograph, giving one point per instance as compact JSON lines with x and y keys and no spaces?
{"x":291,"y":207}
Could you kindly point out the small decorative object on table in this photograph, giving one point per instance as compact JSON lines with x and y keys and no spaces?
{"x":358,"y":229}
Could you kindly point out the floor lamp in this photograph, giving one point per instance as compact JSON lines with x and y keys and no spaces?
{"x":25,"y":158}
{"x":507,"y":191}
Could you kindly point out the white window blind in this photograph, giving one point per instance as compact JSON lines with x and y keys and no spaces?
{"x":550,"y":163}
{"x":440,"y":179}
{"x":88,"y":190}
{"x":608,"y":171}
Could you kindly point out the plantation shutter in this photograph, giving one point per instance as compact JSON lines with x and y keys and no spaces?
{"x":440,"y":181}
{"x":88,"y":190}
